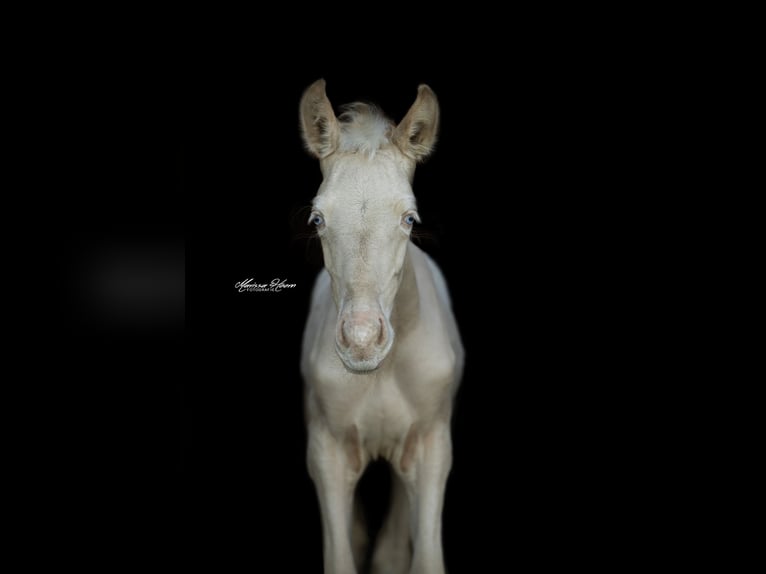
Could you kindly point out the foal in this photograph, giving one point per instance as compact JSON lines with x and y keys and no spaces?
{"x":382,"y":356}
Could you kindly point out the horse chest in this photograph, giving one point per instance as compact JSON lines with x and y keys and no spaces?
{"x":384,"y":416}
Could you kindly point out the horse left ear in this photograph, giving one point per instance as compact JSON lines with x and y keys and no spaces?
{"x":416,"y":133}
{"x":319,"y":125}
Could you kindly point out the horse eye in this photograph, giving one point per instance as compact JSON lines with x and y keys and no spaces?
{"x":316,"y":220}
{"x":409,"y":219}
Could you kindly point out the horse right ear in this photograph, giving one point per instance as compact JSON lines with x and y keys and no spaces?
{"x":319,"y":126}
{"x":416,"y":133}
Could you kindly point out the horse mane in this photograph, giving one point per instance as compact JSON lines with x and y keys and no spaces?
{"x":363,"y":129}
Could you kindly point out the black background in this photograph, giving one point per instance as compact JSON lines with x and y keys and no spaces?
{"x":522,"y":205}
{"x":530,"y":205}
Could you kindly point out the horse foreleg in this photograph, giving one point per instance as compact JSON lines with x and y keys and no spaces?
{"x":335,"y":468}
{"x":425,"y":478}
{"x":393,"y":550}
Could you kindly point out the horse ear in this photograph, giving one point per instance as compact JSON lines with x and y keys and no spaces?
{"x":416,"y":133}
{"x":318,"y":123}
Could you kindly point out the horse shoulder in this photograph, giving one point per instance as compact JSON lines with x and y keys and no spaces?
{"x":434,"y":353}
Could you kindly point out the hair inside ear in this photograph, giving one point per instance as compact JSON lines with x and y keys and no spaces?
{"x":416,"y":134}
{"x":319,"y":125}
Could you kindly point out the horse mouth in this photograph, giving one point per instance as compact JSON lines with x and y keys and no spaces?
{"x":360,"y":365}
{"x":362,"y":369}
{"x":361,"y":361}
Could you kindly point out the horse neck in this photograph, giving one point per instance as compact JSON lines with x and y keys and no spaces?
{"x":407,"y":302}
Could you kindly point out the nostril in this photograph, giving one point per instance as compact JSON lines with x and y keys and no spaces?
{"x":343,"y":340}
{"x":381,"y":332}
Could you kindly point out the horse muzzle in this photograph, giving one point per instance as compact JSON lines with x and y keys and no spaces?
{"x":363,"y":337}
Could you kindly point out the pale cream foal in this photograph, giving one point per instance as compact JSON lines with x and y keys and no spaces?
{"x":382,"y":356}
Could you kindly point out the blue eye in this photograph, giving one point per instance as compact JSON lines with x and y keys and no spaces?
{"x":316,"y":220}
{"x":409,"y":219}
